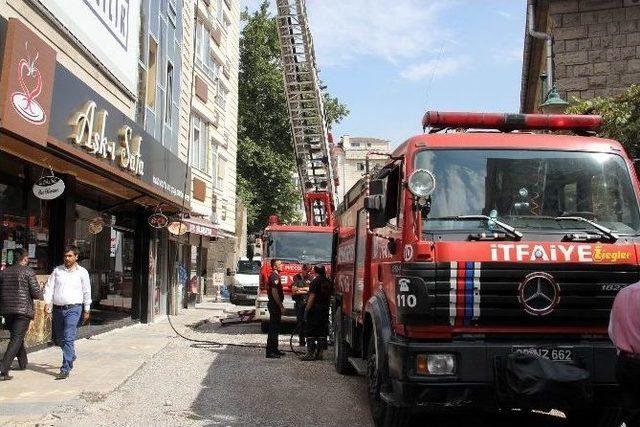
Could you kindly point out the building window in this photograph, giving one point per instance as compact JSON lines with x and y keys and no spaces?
{"x":360,"y":166}
{"x":203,"y":53}
{"x":219,"y":12}
{"x":152,"y":67}
{"x":199,"y":144}
{"x":221,"y":95}
{"x":214,"y":161}
{"x":355,"y":144}
{"x":168,"y":102}
{"x":222,"y":170}
{"x":201,"y":42}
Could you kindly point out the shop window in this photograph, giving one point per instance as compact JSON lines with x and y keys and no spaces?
{"x":199,"y":144}
{"x":109,"y":258}
{"x":168,"y":103}
{"x":151,"y":73}
{"x":24,"y":219}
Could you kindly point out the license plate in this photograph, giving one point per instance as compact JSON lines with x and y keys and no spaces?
{"x":557,"y":354}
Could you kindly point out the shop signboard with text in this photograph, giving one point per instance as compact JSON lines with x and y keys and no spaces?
{"x":86,"y":122}
{"x":26,"y":84}
{"x":108,"y":29}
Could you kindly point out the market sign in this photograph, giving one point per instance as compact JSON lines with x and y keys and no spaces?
{"x":48,"y":187}
{"x":109,"y":29}
{"x":26,"y":84}
{"x":158,"y":220}
{"x":89,"y":133}
{"x":87,"y":123}
{"x":201,"y":227}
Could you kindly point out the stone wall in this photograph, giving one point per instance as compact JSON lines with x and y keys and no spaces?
{"x":597,"y":46}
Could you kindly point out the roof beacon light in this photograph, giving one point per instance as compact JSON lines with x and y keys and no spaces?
{"x":509,"y":122}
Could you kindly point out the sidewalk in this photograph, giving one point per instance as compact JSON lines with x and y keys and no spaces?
{"x":104,"y":362}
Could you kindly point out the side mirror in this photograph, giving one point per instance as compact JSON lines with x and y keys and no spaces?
{"x":230,"y":272}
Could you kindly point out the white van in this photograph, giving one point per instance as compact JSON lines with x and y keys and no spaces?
{"x":242,"y":283}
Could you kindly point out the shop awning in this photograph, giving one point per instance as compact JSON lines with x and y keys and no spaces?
{"x":201,"y":226}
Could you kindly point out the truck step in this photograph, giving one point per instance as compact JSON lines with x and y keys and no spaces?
{"x":359,"y":365}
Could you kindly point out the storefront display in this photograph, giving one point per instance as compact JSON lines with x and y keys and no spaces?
{"x":24,"y":219}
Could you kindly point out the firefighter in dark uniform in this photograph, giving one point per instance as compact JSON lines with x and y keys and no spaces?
{"x":317,"y":314}
{"x":299,"y":289}
{"x":276,"y":308}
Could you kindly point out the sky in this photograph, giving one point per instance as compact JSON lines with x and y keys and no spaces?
{"x":390,"y":61}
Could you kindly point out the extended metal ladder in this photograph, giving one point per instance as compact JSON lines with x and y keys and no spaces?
{"x":306,"y":112}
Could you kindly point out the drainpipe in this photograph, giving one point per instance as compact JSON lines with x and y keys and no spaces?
{"x":542,"y":36}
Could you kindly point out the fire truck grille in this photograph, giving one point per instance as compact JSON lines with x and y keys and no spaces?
{"x":473,"y":293}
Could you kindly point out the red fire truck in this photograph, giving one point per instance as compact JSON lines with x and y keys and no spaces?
{"x":294,"y":245}
{"x":478,"y":267}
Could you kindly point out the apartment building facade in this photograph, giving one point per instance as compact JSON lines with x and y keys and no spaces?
{"x":208,"y":115}
{"x":351,"y":154}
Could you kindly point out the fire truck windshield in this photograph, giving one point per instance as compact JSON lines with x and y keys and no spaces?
{"x":529,"y":189}
{"x":299,"y":246}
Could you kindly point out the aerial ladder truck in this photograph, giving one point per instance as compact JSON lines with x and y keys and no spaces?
{"x":296,"y":245}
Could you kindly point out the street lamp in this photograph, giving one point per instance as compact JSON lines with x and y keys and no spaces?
{"x":553,"y":103}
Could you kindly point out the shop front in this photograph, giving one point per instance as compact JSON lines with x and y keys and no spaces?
{"x":76,"y":170}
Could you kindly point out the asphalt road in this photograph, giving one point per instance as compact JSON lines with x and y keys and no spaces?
{"x":231,"y":386}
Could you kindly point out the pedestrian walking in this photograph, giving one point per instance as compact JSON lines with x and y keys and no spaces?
{"x":299,"y":290}
{"x":18,"y":288}
{"x":276,"y":308}
{"x":624,"y":331}
{"x":68,"y":290}
{"x":317,"y":314}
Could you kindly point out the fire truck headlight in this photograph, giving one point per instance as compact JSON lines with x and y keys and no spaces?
{"x":435,"y":364}
{"x":422,"y":183}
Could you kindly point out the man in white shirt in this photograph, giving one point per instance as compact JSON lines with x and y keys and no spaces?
{"x":68,"y":290}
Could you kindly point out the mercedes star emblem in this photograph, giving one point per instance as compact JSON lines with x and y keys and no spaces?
{"x":539,"y":294}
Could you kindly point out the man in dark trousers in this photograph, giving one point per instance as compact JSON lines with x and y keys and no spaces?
{"x":276,"y":308}
{"x":18,"y":289}
{"x":317,"y":314}
{"x":624,"y":331}
{"x":299,"y":291}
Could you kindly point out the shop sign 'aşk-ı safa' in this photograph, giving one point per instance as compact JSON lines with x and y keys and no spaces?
{"x":89,"y":125}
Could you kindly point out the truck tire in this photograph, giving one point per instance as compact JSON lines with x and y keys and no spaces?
{"x":264,"y":327}
{"x":383,"y":415}
{"x":340,"y":346}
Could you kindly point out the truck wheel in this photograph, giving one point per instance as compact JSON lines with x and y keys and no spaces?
{"x":383,"y":415}
{"x":340,"y":347}
{"x":264,"y":327}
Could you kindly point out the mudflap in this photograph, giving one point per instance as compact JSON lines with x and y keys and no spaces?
{"x":532,"y":382}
